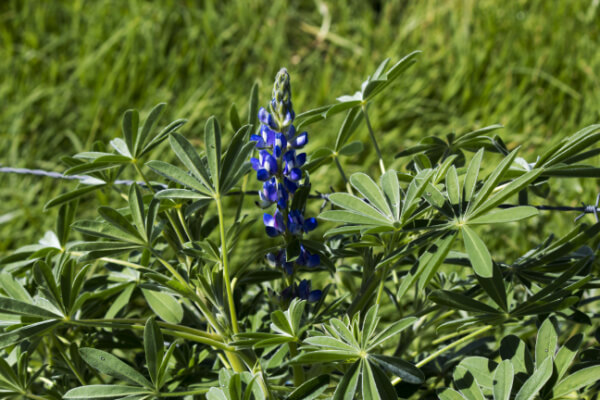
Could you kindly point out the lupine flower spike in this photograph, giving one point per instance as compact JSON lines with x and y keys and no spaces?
{"x":279,"y":166}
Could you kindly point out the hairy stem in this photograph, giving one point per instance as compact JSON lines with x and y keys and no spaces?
{"x":381,"y":165}
{"x":225,"y":258}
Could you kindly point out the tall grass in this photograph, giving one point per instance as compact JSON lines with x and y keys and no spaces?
{"x":69,"y":69}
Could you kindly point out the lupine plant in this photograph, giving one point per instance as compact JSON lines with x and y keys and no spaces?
{"x":206,"y":275}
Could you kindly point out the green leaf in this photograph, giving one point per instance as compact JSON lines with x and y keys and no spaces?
{"x":111,"y":365}
{"x":354,"y":204}
{"x":212,"y":140}
{"x":504,"y":215}
{"x":398,"y":367}
{"x":328,"y":342}
{"x":164,"y":305}
{"x":104,"y":392}
{"x":149,"y":123}
{"x":471,"y":176}
{"x":369,"y":189}
{"x":66,"y":214}
{"x":253,"y":106}
{"x":74,"y":194}
{"x":492,"y":181}
{"x":480,"y":257}
{"x":216,"y":394}
{"x":158,"y":139}
{"x":348,"y":126}
{"x":310,"y":389}
{"x":340,"y":107}
{"x":181,"y":194}
{"x":511,"y":189}
{"x":503,"y":380}
{"x":382,"y":382}
{"x":121,"y":301}
{"x":576,"y":381}
{"x":347,"y":387}
{"x":450,"y":394}
{"x":369,"y":387}
{"x":536,"y":381}
{"x":118,"y":221}
{"x":324,"y":356}
{"x":414,"y":192}
{"x":13,"y":288}
{"x":391,"y":190}
{"x":369,"y":324}
{"x":391,"y":331}
{"x":18,"y":335}
{"x":566,"y":354}
{"x":177,"y":175}
{"x":154,"y":348}
{"x":130,"y":128}
{"x":281,"y":323}
{"x":460,"y":301}
{"x":164,"y":365}
{"x":430,"y":261}
{"x":349,"y":217}
{"x":13,"y":306}
{"x":136,"y":206}
{"x":494,"y":287}
{"x":514,"y":349}
{"x":186,"y":153}
{"x":351,"y":149}
{"x":545,"y":346}
{"x":466,"y":383}
{"x":481,"y":368}
{"x":452,"y":186}
{"x":234,"y":117}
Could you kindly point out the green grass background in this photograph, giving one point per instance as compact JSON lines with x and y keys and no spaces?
{"x":69,"y":69}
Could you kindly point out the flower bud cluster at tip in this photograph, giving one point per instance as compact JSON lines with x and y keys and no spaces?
{"x":278,"y":166}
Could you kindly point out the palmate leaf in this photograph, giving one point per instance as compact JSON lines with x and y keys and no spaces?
{"x":346,"y":341}
{"x":381,"y":209}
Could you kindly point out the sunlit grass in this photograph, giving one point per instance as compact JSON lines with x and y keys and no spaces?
{"x":70,"y":69}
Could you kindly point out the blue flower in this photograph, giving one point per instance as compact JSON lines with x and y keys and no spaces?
{"x":279,"y":260}
{"x":306,"y":259}
{"x":274,"y":223}
{"x":266,"y":137}
{"x":292,"y":164}
{"x":268,"y":195}
{"x":298,"y":225}
{"x":301,"y":291}
{"x":265,"y":166}
{"x":304,"y":292}
{"x":296,"y":142}
{"x":267,"y":119}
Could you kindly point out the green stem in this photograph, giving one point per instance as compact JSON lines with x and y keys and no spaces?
{"x":185,"y":333}
{"x":381,"y":165}
{"x":186,"y":393}
{"x":226,"y":277}
{"x":238,"y":212}
{"x":297,"y":369}
{"x":33,"y":396}
{"x":339,"y":167}
{"x":460,"y":341}
{"x":61,"y":350}
{"x":207,"y":314}
{"x":382,"y":284}
{"x":169,"y":217}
